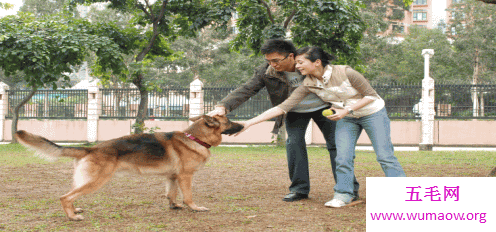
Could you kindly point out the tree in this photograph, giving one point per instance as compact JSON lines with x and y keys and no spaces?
{"x":44,"y":50}
{"x":406,"y":2}
{"x":119,"y":26}
{"x":378,"y":15}
{"x":209,"y":58}
{"x":230,"y":68}
{"x":473,"y":20}
{"x":474,"y":32}
{"x":6,"y":6}
{"x":14,"y":81}
{"x":335,"y":25}
{"x":407,"y":58}
{"x":43,"y":7}
{"x":160,"y":23}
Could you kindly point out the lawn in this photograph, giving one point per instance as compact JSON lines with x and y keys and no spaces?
{"x":243,"y":188}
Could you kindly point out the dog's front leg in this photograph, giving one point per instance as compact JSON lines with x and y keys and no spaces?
{"x":185,"y":181}
{"x":171,"y":190}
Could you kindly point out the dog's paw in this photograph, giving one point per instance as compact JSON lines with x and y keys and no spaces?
{"x":201,"y":209}
{"x":77,"y":218}
{"x":176,"y":206}
{"x":78,"y":210}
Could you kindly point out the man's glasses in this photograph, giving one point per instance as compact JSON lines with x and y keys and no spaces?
{"x":276,"y":61}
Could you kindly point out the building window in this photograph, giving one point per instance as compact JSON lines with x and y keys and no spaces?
{"x":419,"y":15}
{"x":421,"y":2}
{"x":398,"y":28}
{"x":453,"y":30}
{"x":235,"y":29}
{"x":457,"y":15}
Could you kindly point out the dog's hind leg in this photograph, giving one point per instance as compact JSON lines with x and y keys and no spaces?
{"x":171,"y":191}
{"x":77,"y":210}
{"x":492,"y":172}
{"x":185,"y":181}
{"x":86,"y":180}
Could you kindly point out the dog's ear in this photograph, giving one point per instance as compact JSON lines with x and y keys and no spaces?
{"x":211,"y":121}
{"x":194,"y":119}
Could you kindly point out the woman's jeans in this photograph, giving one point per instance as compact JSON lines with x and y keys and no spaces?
{"x":348,"y":130}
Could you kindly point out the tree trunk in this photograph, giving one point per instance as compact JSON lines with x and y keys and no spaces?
{"x":138,"y":81}
{"x":475,"y":80}
{"x":15,"y":117}
{"x":143,"y":106}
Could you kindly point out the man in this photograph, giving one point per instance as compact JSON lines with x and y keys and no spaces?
{"x":280,"y":78}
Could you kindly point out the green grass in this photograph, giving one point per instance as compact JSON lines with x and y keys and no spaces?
{"x":242,"y":187}
{"x":458,"y":158}
{"x":15,"y":155}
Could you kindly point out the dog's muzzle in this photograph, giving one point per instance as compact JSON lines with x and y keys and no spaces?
{"x":235,"y":128}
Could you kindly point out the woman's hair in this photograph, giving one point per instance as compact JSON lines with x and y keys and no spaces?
{"x":316,"y":53}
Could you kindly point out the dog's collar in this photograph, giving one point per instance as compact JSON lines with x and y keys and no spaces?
{"x":197,"y":140}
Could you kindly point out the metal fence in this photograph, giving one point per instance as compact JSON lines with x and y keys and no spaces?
{"x":251,"y":108}
{"x":453,"y":101}
{"x":50,"y":104}
{"x":465,"y":101}
{"x":401,"y":100}
{"x":170,"y":103}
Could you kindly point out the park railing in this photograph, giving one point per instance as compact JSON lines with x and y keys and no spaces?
{"x":251,"y":108}
{"x":401,"y":99}
{"x":167,"y":103}
{"x":452,"y":101}
{"x":465,"y":101}
{"x":50,"y":104}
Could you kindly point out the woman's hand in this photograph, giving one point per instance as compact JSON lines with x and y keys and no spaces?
{"x":245,"y":124}
{"x":268,"y":114}
{"x":340,"y":113}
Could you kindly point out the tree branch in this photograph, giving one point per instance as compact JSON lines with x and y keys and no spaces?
{"x":268,"y":10}
{"x":162,"y":11}
{"x":148,"y":47}
{"x":290,"y":17}
{"x":145,"y":50}
{"x":150,"y":9}
{"x":144,"y":10}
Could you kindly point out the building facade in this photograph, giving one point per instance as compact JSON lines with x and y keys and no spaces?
{"x":422,"y":13}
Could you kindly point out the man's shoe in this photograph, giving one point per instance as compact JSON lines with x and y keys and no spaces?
{"x":295,"y":196}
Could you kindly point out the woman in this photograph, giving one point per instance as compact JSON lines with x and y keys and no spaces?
{"x":357,"y":106}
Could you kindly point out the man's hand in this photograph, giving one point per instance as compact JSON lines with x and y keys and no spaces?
{"x":218,"y":111}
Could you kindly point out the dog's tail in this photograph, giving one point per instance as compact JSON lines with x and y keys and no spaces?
{"x":46,"y":148}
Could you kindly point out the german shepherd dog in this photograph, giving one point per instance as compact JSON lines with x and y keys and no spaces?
{"x":176,"y":155}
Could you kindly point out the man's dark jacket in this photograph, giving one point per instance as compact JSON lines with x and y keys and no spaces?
{"x":265,"y":76}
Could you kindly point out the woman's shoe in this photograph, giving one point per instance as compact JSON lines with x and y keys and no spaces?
{"x":335,"y":203}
